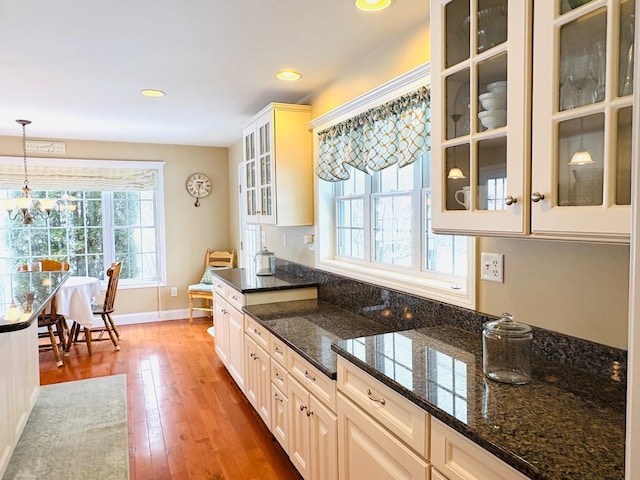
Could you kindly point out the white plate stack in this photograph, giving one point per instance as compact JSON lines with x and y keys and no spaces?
{"x":494,"y":103}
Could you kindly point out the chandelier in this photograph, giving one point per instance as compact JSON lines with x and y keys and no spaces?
{"x":26,"y":208}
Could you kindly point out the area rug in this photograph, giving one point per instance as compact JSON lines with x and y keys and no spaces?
{"x":77,"y":430}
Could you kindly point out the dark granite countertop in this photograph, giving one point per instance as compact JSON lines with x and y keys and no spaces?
{"x":564,"y":424}
{"x":245,"y":280}
{"x":310,"y":327}
{"x":28,"y":293}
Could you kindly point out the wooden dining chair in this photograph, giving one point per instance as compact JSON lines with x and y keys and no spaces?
{"x":49,"y":318}
{"x":104,"y":311}
{"x":213,"y":260}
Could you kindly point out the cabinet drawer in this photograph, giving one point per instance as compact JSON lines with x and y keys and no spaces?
{"x":459,"y":458}
{"x":402,"y":417}
{"x":278,"y":350}
{"x":219,"y":287}
{"x":313,"y":380}
{"x":257,"y":332}
{"x":279,"y":376}
{"x":235,"y":298}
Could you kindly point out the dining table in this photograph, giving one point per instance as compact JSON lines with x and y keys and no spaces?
{"x":74,"y":300}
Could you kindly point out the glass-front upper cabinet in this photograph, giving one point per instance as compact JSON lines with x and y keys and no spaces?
{"x":481,"y":92}
{"x":582,"y":111}
{"x":250,"y":175}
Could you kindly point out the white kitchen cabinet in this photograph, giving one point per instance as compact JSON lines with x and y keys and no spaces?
{"x":313,"y":436}
{"x":20,"y":377}
{"x":221,"y":322}
{"x":567,"y":71}
{"x":257,"y":381}
{"x":481,"y":50}
{"x":229,"y":321}
{"x":458,"y":458}
{"x":280,"y":417}
{"x":278,"y":180}
{"x":367,"y":450}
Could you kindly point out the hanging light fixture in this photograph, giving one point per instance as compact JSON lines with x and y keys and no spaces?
{"x":581,"y":156}
{"x":455,"y":173}
{"x":22,"y":208}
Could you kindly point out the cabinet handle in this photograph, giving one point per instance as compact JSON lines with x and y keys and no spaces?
{"x":277,"y":397}
{"x":256,"y":331}
{"x":309,"y":376}
{"x":303,"y":408}
{"x":233,"y":297}
{"x":252,"y":354}
{"x":509,"y":200}
{"x":223,"y":311}
{"x":536,"y":197}
{"x":309,"y":413}
{"x":277,"y":349}
{"x":381,"y":401}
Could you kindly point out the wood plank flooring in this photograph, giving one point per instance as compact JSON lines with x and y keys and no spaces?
{"x":187,"y":418}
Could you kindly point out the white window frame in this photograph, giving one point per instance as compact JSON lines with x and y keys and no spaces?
{"x":62,"y":163}
{"x":418,"y":283}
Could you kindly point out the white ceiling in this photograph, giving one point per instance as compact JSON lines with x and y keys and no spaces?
{"x":75,"y":67}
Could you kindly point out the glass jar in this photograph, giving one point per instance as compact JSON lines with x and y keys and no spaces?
{"x":506,"y":350}
{"x":265,"y":262}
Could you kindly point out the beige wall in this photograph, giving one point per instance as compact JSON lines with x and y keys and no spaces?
{"x":575,"y":289}
{"x":189,"y":230}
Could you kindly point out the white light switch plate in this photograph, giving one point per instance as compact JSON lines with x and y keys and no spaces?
{"x":492,"y":267}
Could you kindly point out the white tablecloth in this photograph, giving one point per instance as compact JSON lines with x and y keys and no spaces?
{"x":74,"y":299}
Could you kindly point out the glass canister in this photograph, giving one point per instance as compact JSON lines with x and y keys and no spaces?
{"x":265,"y":262}
{"x":506,"y":350}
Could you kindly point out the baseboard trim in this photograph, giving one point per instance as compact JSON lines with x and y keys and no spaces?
{"x":148,"y":317}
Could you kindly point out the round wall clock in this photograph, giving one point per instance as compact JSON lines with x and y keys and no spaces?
{"x":199,"y":186}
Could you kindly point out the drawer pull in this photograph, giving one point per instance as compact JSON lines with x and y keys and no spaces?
{"x":309,"y":413}
{"x":256,"y":331}
{"x":233,"y":297}
{"x":303,"y":408}
{"x":277,"y":397}
{"x":381,"y":401}
{"x":309,"y":376}
{"x":277,"y":349}
{"x":278,"y":376}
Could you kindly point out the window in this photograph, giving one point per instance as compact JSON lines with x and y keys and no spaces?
{"x":374,"y":224}
{"x":91,"y":228}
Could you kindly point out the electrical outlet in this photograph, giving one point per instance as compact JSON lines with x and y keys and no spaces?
{"x":284,"y":239}
{"x":492,"y":267}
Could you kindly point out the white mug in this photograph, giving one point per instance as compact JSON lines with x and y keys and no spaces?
{"x":462,"y":197}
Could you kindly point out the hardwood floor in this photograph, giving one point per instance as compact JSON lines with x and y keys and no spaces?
{"x":187,"y":418}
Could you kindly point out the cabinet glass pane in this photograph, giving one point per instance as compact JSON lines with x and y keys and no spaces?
{"x":457,"y":92}
{"x":567,"y":5}
{"x":625,"y":69}
{"x":249,"y":147}
{"x":582,"y":60}
{"x":623,"y":157}
{"x":265,"y":139}
{"x":492,"y":24}
{"x":266,"y":200}
{"x":457,"y":181}
{"x":492,"y":174}
{"x":492,"y":93}
{"x":581,"y":161}
{"x":457,"y":29}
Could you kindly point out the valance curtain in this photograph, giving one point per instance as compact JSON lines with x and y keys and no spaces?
{"x":79,"y":178}
{"x":396,"y":132}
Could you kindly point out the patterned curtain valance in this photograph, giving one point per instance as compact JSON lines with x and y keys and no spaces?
{"x":395,"y":132}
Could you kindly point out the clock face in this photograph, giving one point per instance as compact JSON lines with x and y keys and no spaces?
{"x":198,"y":185}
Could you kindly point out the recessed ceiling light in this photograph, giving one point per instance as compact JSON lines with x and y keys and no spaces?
{"x":152,"y":92}
{"x":372,"y":5}
{"x":288,"y":75}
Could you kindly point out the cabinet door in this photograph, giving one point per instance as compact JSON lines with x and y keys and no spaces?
{"x":324,"y":441}
{"x":581,"y":143}
{"x":266,"y":169}
{"x":250,"y":180}
{"x":236,"y":346}
{"x":369,"y":451}
{"x":257,"y":384}
{"x":480,"y":129}
{"x":299,"y":428}
{"x":280,"y":417}
{"x":222,"y":330}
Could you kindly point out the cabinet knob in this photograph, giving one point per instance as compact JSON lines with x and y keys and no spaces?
{"x":509,"y":200}
{"x":536,"y":197}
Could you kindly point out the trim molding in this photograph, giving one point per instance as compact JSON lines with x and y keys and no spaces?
{"x":406,"y":82}
{"x":160,"y":316}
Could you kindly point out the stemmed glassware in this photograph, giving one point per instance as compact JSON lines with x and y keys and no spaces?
{"x":584,"y":77}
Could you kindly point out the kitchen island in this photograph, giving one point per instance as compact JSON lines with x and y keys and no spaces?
{"x":564,"y":424}
{"x":23,"y":295}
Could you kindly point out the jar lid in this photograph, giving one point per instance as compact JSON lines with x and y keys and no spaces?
{"x":507,"y":326}
{"x":264,"y":251}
